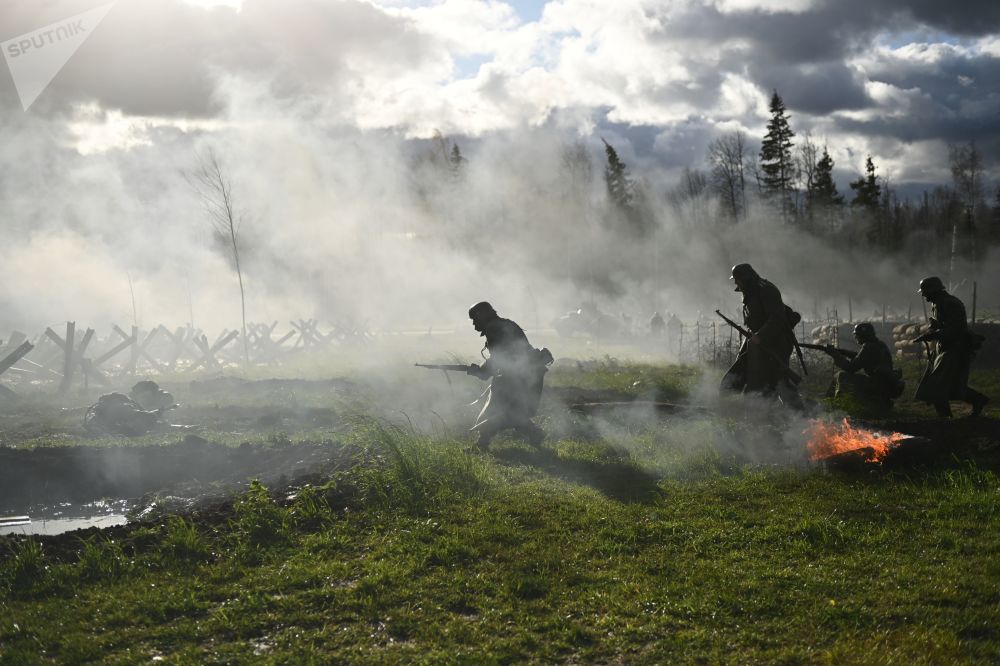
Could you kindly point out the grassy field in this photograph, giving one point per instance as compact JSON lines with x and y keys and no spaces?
{"x":707,"y":538}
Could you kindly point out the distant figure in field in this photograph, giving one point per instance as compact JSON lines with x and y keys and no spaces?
{"x":674,"y":332}
{"x":762,"y":363}
{"x":626,"y":324}
{"x":947,"y":374}
{"x":867,"y":375}
{"x":657,"y":326}
{"x":517,"y":370}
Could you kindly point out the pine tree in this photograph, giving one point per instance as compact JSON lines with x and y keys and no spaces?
{"x":617,"y":179}
{"x":824,"y":191}
{"x":456,"y":162}
{"x":776,"y":164}
{"x":628,"y":197}
{"x":867,"y":191}
{"x":823,"y":197}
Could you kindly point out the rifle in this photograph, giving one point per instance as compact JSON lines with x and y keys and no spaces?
{"x":446,"y":368}
{"x":790,"y":374}
{"x":829,"y":349}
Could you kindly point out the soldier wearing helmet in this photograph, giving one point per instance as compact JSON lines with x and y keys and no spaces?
{"x":947,"y":374}
{"x":762,"y":363}
{"x":879,"y":383}
{"x":517,"y":370}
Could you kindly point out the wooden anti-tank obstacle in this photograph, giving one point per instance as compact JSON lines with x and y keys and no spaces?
{"x":74,"y":356}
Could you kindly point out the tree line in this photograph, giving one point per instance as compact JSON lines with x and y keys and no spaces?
{"x":794,"y":180}
{"x":792,"y":177}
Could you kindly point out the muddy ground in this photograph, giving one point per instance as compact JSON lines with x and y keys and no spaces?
{"x":190,"y":467}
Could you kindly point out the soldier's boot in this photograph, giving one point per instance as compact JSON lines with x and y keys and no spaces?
{"x":789,"y":396}
{"x":486,"y":435}
{"x":534,"y":434}
{"x":943,"y":409}
{"x":978,"y":401}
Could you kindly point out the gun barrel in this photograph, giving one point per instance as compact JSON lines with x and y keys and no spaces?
{"x":745,"y":333}
{"x":453,"y":367}
{"x":829,"y":349}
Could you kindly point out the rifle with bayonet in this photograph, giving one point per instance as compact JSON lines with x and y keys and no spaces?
{"x":445,"y":367}
{"x":453,"y":367}
{"x":790,"y":374}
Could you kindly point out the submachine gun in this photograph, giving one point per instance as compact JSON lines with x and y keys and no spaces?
{"x":790,"y":374}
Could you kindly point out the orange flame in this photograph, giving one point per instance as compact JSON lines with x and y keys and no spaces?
{"x":828,"y":439}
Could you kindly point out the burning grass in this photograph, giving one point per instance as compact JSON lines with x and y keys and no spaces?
{"x":827,"y":440}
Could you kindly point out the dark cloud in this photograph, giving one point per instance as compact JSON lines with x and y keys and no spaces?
{"x":959,"y":17}
{"x":800,"y":55}
{"x":817,"y":89}
{"x":803,"y":54}
{"x":953,"y":97}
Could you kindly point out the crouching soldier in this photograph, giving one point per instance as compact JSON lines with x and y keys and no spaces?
{"x":517,"y":370}
{"x":131,"y":415}
{"x":867,"y":375}
{"x":149,"y":395}
{"x":118,"y":414}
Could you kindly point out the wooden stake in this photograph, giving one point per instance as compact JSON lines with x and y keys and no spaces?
{"x":974,"y":290}
{"x":68,"y":365}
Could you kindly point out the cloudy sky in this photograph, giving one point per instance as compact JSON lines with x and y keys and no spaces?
{"x":291,"y":91}
{"x":896,"y":78}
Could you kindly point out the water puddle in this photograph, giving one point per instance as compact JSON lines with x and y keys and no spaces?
{"x":65,"y":517}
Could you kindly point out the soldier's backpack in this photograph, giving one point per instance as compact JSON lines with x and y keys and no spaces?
{"x":544,"y":357}
{"x":792,"y":316}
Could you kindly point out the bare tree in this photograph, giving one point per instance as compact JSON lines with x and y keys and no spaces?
{"x":967,"y":172}
{"x":692,"y":185}
{"x":691,"y":194}
{"x":727,"y":161}
{"x":808,"y":159}
{"x":215,"y":189}
{"x":808,"y":167}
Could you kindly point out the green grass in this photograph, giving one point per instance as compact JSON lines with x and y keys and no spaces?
{"x":428,"y":554}
{"x":659,"y":381}
{"x":698,"y":540}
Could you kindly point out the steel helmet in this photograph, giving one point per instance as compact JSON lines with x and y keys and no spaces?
{"x":482,"y":310}
{"x":864,"y":331}
{"x":743,"y":273}
{"x":931,"y":285}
